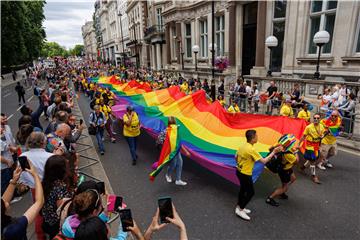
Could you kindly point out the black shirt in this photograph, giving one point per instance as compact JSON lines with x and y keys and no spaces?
{"x":271,"y":90}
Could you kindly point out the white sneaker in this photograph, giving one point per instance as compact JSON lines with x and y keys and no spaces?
{"x":16,"y":199}
{"x":242,"y":214}
{"x":247,"y":211}
{"x":329,"y":165}
{"x":180,"y":183}
{"x":320,"y":166}
{"x":168,"y":178}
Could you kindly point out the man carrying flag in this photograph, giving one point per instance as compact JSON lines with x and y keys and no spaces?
{"x":170,"y":152}
{"x":328,"y":146}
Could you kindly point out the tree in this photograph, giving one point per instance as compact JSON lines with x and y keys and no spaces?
{"x":78,"y":50}
{"x":51,"y":49}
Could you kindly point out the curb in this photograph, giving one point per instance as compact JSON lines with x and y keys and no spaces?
{"x":347,"y":146}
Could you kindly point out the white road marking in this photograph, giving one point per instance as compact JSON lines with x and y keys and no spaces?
{"x":10,"y":116}
{"x":18,"y":108}
{"x":349,"y":151}
{"x":28,"y":89}
{"x":6,"y":95}
{"x":30,"y":98}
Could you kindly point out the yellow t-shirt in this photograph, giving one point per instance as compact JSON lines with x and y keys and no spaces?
{"x":246,"y":158}
{"x":233,"y":109}
{"x":106,"y":110}
{"x":314,"y":134}
{"x":304,"y":115}
{"x":289,"y":159}
{"x":134,"y":129}
{"x":222,"y":102}
{"x":184,"y":87}
{"x":91,"y":86}
{"x":329,"y":138}
{"x":286,"y":111}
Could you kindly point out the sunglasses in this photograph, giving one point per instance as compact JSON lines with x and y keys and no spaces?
{"x":316,"y":118}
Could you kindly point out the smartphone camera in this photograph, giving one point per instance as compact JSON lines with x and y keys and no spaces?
{"x":126,"y":219}
{"x":165,"y":207}
{"x":24,"y":164}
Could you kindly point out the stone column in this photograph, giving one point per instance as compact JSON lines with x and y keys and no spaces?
{"x":167,"y":39}
{"x":153,"y":58}
{"x":232,"y":33}
{"x":178,"y":36}
{"x":158,"y":57}
{"x":260,"y":34}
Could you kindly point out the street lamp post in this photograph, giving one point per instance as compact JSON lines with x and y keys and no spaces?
{"x":195,"y":50}
{"x":270,"y":42}
{"x":122,"y":38}
{"x":320,"y":39}
{"x":135,"y":41}
{"x":212,"y":49}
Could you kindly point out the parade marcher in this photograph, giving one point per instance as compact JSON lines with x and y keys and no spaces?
{"x":97,"y":120}
{"x":288,"y":158}
{"x":177,"y":162}
{"x":328,"y":146}
{"x":131,"y":131}
{"x":20,"y":90}
{"x":286,"y":109}
{"x":313,"y":134}
{"x":106,"y":110}
{"x":233,"y":108}
{"x":304,"y":113}
{"x":246,"y":157}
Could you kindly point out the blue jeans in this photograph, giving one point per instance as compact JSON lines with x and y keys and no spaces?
{"x":99,"y":135}
{"x":242,"y":104}
{"x":6,"y":175}
{"x":132,"y":146}
{"x":176,"y":164}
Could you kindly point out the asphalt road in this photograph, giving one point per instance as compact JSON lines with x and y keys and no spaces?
{"x":206,"y":204}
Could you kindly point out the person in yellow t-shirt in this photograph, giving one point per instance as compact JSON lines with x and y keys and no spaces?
{"x":313,"y":134}
{"x":246,"y":157}
{"x":106,"y":110}
{"x":304,"y":113}
{"x":286,"y":174}
{"x":131,"y":130}
{"x":233,"y":108}
{"x":184,"y":87}
{"x":286,"y":109}
{"x":221,"y":100}
{"x":328,"y":147}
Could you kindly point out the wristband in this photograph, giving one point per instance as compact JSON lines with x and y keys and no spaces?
{"x":13,"y":182}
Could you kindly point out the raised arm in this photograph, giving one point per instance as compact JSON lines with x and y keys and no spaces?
{"x":9,"y":192}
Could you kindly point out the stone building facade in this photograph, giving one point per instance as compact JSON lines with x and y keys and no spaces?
{"x":88,"y":33}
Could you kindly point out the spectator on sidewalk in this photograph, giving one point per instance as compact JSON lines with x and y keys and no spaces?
{"x":45,"y":100}
{"x":221,"y":88}
{"x":60,"y":117}
{"x":131,"y":131}
{"x":242,"y":97}
{"x":14,"y":229}
{"x":35,"y":116}
{"x":7,"y":150}
{"x":22,"y":135}
{"x":348,"y":111}
{"x":271,"y":93}
{"x":255,"y":98}
{"x":98,"y":121}
{"x":20,"y":90}
{"x":56,"y":190}
{"x":55,"y":140}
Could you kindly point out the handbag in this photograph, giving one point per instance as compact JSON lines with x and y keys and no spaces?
{"x":92,"y":130}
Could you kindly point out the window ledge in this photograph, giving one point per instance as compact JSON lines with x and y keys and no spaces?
{"x":201,"y":60}
{"x":346,"y":60}
{"x":328,"y":60}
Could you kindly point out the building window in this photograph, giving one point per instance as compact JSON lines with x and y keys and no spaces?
{"x":159,"y":17}
{"x":188,"y":39}
{"x":278,"y":32}
{"x":203,"y":38}
{"x":322,"y":17}
{"x":220,"y":35}
{"x":174,"y":43}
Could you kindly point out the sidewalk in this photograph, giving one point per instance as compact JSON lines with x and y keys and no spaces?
{"x":348,"y":143}
{"x":8,"y":80}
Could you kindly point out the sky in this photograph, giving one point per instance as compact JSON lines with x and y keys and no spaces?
{"x":64,"y":18}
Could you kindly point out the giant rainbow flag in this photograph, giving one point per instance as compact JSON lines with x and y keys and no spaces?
{"x":207,"y":131}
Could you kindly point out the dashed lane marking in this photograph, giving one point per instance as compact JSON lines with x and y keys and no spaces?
{"x":10,"y":116}
{"x":30,"y":98}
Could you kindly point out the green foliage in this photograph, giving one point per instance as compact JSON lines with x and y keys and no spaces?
{"x":22,"y":32}
{"x":51,"y":49}
{"x":77,"y":50}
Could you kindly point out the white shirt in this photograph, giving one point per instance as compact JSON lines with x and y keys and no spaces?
{"x":248,"y":90}
{"x":38,"y":157}
{"x":5,"y":152}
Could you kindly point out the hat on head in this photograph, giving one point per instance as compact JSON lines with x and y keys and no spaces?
{"x":287,"y":141}
{"x":130,"y":108}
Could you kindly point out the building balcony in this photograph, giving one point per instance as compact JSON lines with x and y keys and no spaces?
{"x":132,"y":43}
{"x":153,"y":31}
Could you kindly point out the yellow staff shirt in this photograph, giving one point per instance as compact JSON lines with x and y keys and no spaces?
{"x":288,"y":161}
{"x":286,"y":111}
{"x":304,"y":115}
{"x":329,"y":138}
{"x":233,"y":109}
{"x":314,"y":134}
{"x":246,"y":157}
{"x":106,"y":110}
{"x":134,"y":129}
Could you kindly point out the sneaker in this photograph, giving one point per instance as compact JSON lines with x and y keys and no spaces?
{"x":247,"y":211}
{"x":329,"y":165}
{"x":272,"y":202}
{"x":15,"y":200}
{"x":284,"y":196}
{"x":180,"y":183}
{"x":134,"y":162}
{"x":242,"y":214}
{"x":320,"y":166}
{"x":102,"y":152}
{"x":113,"y":140}
{"x":168,"y":178}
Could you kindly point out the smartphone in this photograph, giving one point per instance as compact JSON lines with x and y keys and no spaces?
{"x":101,"y":187}
{"x":81,"y":121}
{"x":114,"y":202}
{"x":24,"y":164}
{"x":126,"y":219}
{"x":165,"y":207}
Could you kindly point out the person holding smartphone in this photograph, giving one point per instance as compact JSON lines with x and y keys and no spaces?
{"x":246,"y":157}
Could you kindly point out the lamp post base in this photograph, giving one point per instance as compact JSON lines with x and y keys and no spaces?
{"x":317,"y":75}
{"x":268,"y":74}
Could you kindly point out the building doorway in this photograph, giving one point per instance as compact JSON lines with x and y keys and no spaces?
{"x":249,"y":37}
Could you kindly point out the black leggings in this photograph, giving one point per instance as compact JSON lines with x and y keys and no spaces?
{"x":21,"y":96}
{"x":246,"y":189}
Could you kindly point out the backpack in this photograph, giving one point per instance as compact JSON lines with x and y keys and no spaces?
{"x":275,"y":163}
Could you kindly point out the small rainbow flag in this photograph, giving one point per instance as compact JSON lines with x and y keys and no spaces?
{"x":169,"y":150}
{"x":333,"y":126}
